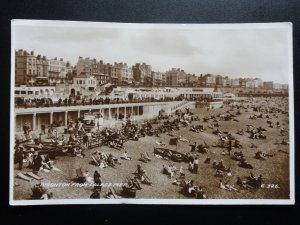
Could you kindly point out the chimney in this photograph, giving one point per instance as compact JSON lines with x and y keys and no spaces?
{"x":101,"y":61}
{"x":32,"y":53}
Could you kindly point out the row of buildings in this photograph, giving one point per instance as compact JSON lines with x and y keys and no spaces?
{"x":34,"y":70}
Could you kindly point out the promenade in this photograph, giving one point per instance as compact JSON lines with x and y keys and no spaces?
{"x":37,"y":117}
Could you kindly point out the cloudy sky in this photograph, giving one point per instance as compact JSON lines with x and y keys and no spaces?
{"x":247,"y":52}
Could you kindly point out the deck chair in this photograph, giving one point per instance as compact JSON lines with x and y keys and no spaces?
{"x":27,"y":137}
{"x":19,"y":138}
{"x":147,"y":156}
{"x":95,"y":161}
{"x":34,"y":136}
{"x":113,"y":191}
{"x":79,"y":176}
{"x":143,"y":158}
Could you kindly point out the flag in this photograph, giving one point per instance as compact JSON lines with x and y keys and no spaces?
{"x":173,"y":141}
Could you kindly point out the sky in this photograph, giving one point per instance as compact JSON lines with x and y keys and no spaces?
{"x":228,"y":51}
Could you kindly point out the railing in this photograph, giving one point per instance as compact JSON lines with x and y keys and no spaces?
{"x":43,"y":103}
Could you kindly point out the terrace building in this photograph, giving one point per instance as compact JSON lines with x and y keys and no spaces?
{"x":85,"y":65}
{"x":83,"y":83}
{"x":220,"y":81}
{"x":209,"y":80}
{"x":124,"y":73}
{"x":42,"y":66}
{"x":25,"y":67}
{"x":57,"y":71}
{"x":235,"y":83}
{"x":268,"y":85}
{"x":258,"y":83}
{"x":142,"y":74}
{"x":176,"y":77}
{"x":158,"y":79}
{"x":192,"y":80}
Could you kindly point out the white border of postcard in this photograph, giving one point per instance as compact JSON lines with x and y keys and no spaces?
{"x":46,"y":23}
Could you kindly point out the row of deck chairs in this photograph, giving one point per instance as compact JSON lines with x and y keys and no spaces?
{"x":22,"y":138}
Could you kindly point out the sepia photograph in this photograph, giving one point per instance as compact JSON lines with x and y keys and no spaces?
{"x":113,"y":113}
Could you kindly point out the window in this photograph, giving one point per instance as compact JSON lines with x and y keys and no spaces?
{"x":23,"y":92}
{"x":30,"y":92}
{"x":17,"y":92}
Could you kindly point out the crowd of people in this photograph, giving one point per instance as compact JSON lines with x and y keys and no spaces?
{"x":78,"y":142}
{"x":80,"y":100}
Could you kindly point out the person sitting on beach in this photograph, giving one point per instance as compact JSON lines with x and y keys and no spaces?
{"x":144,"y":178}
{"x":39,"y":192}
{"x":136,"y":183}
{"x":110,"y":160}
{"x":160,"y":143}
{"x":190,"y":187}
{"x":47,"y":195}
{"x":227,"y":187}
{"x":193,"y":147}
{"x":207,"y":160}
{"x":170,"y":170}
{"x":71,"y":139}
{"x":220,"y":165}
{"x":97,"y":180}
{"x":181,"y":138}
{"x":196,"y":165}
{"x":48,"y":163}
{"x":191,"y":166}
{"x":37,"y":162}
{"x":77,"y":151}
{"x":138,"y":170}
{"x":145,"y":158}
{"x":87,"y":176}
{"x":54,"y":141}
{"x":181,"y":172}
{"x":219,"y":173}
{"x":260,"y":155}
{"x":95,"y":194}
{"x":125,"y":156}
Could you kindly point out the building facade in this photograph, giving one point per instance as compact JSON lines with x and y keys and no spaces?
{"x":142,"y":74}
{"x":57,"y":71}
{"x":25,"y":67}
{"x":209,"y":80}
{"x":268,"y":85}
{"x":176,"y":77}
{"x":84,"y":83}
{"x":42,"y":66}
